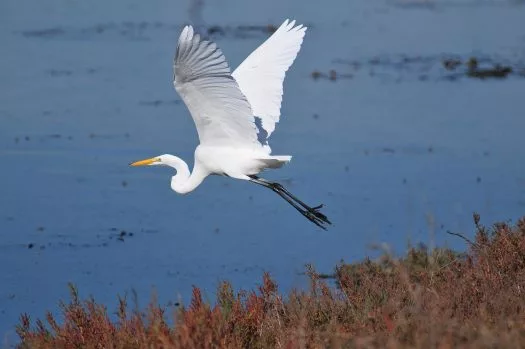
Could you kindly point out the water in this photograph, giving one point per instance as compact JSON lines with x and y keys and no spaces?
{"x":397,"y":148}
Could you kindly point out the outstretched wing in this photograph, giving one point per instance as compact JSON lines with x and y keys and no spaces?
{"x":202,"y":78}
{"x":261,"y":75}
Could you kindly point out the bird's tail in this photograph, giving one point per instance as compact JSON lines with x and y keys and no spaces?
{"x":276,"y":161}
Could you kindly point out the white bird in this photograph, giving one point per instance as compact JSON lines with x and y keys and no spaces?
{"x":224,"y":106}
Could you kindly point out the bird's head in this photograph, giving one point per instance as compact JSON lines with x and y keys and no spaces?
{"x":166,"y":160}
{"x":178,"y":182}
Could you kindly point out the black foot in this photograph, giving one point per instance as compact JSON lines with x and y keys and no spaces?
{"x":311,"y":213}
{"x":313,"y":218}
{"x":319,"y":215}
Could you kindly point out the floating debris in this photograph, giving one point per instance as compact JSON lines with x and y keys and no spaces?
{"x":498,"y":71}
{"x":144,"y":31}
{"x":241,"y":31}
{"x":269,"y":28}
{"x":332,"y":75}
{"x":93,"y":135}
{"x":451,"y":63}
{"x":158,"y":102}
{"x":424,"y":68}
{"x":215,"y":30}
{"x":123,"y":234}
{"x":44,"y":33}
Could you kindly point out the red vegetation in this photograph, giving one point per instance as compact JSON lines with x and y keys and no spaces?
{"x":429,"y":299}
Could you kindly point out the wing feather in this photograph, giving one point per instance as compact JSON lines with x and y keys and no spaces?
{"x":219,"y":109}
{"x":261,"y":75}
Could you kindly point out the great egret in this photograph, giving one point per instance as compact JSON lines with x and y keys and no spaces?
{"x":224,"y":106}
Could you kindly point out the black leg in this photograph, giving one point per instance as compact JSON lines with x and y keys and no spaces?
{"x":280,"y":187}
{"x":313,"y":210}
{"x":311,"y":213}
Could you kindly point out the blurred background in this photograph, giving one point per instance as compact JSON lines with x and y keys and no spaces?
{"x":403,"y":117}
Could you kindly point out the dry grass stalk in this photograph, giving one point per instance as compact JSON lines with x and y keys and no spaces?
{"x":428,"y":299}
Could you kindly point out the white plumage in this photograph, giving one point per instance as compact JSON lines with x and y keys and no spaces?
{"x":202,"y":78}
{"x":261,"y":75}
{"x":224,"y":107}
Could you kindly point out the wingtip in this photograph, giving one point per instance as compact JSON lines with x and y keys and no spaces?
{"x":187,"y":32}
{"x":291,"y":24}
{"x":287,"y":24}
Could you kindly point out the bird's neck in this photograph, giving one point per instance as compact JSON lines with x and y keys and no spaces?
{"x":184,"y":182}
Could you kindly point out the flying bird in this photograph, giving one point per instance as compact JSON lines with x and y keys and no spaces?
{"x":224,"y":107}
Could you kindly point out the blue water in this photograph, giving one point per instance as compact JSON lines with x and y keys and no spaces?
{"x":397,"y":150}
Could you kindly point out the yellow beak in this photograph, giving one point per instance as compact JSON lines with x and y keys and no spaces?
{"x":144,"y":162}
